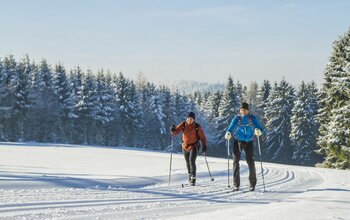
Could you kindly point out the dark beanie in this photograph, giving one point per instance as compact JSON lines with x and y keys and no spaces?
{"x":192,"y":115}
{"x":244,"y":105}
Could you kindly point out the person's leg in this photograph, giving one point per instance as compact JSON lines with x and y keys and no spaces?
{"x":193,"y":167}
{"x":187,"y":159}
{"x":249,"y":151}
{"x":236,"y":155}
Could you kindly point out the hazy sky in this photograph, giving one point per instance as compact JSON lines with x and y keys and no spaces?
{"x":171,"y":40}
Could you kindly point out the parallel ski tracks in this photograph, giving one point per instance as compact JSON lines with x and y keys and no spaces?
{"x":157,"y":197}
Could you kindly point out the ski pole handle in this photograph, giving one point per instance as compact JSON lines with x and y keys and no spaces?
{"x":228,"y":148}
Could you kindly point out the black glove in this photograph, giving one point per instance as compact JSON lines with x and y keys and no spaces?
{"x":204,"y":148}
{"x":173,"y":128}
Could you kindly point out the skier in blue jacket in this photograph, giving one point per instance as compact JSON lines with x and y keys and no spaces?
{"x":243,"y":127}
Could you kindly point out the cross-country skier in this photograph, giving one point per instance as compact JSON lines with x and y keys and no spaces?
{"x":242,"y":129}
{"x":192,"y":133}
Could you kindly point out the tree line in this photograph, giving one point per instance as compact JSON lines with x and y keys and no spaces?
{"x":304,"y":125}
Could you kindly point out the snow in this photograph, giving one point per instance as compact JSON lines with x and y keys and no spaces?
{"x":56,"y":181}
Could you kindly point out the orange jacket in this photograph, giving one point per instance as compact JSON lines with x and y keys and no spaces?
{"x":189,"y":137}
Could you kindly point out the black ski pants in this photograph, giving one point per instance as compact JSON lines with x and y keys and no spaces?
{"x":190,"y":157}
{"x":249,"y":152}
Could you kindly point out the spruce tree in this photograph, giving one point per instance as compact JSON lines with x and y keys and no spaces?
{"x":44,"y":112}
{"x":278,"y":127}
{"x":333,"y":117}
{"x":76,"y":83}
{"x":240,"y":91}
{"x":23,"y":102}
{"x":212,"y":104}
{"x":154,"y":116}
{"x":304,"y":126}
{"x":127,"y":102}
{"x":228,"y":108}
{"x":8,"y":81}
{"x":85,"y":109}
{"x":263,"y":94}
{"x":180,"y":103}
{"x":168,"y":111}
{"x":103,"y":108}
{"x":63,"y":97}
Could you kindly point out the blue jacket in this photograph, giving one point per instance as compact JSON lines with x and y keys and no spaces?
{"x":245,"y":132}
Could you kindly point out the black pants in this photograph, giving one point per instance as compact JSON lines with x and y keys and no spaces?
{"x":249,"y":152}
{"x":190,"y":157}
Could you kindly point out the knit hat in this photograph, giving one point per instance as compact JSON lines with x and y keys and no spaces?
{"x":244,"y":105}
{"x":191,"y":115}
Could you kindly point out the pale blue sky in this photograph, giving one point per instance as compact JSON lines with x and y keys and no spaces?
{"x":171,"y":40}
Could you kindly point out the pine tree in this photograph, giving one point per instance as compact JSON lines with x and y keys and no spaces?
{"x":197,"y":98}
{"x":107,"y":133}
{"x":333,"y":117}
{"x":168,"y":111}
{"x":204,"y":102}
{"x":240,"y":90}
{"x":104,"y":108}
{"x":338,"y":138}
{"x":304,"y":126}
{"x":93,"y":98}
{"x":127,"y":102}
{"x":181,"y":107}
{"x":44,"y":112}
{"x":229,"y":107}
{"x":136,"y":116}
{"x":154,"y":116}
{"x":211,"y":107}
{"x":75,"y":79}
{"x":63,"y":99}
{"x":8,"y":81}
{"x":263,"y":94}
{"x":42,"y":80}
{"x":85,"y":108}
{"x":278,"y":114}
{"x":23,"y":102}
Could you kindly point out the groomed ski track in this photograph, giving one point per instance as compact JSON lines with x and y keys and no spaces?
{"x":29,"y":194}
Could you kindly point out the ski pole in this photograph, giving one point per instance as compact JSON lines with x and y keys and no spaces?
{"x":205,"y":157}
{"x":171,"y":157}
{"x":262,"y":170}
{"x":228,"y":163}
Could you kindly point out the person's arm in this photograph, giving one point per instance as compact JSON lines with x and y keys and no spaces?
{"x":176,"y":130}
{"x":233,"y":125}
{"x":202,"y":136}
{"x":203,"y":139}
{"x":256,"y":124}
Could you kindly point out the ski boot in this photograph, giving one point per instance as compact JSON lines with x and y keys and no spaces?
{"x":193,"y":181}
{"x":235,"y":188}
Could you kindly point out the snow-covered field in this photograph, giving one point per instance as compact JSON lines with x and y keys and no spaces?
{"x":52,"y":181}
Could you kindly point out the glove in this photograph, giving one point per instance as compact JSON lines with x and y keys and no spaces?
{"x":173,"y":128}
{"x":257,"y":132}
{"x":228,"y":136}
{"x":204,"y":148}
